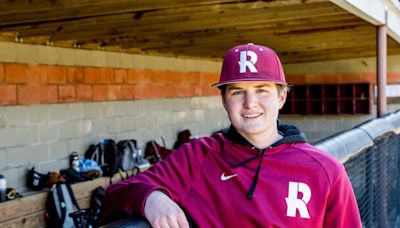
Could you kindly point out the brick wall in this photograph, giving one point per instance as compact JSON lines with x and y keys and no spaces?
{"x":26,"y":84}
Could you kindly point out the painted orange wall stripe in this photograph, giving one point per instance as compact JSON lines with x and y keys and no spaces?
{"x":24,"y":84}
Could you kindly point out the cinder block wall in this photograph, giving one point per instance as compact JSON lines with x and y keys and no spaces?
{"x":54,"y":101}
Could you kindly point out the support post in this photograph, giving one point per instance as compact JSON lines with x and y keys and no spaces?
{"x":381,"y":80}
{"x":381,"y":69}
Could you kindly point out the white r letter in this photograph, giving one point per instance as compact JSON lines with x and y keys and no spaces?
{"x":243,"y":63}
{"x":293,"y":203}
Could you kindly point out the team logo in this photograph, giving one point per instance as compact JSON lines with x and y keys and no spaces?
{"x":295,"y":204}
{"x":244,"y":63}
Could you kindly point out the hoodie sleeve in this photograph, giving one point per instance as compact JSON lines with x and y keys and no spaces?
{"x":173,"y":176}
{"x":342,"y":209}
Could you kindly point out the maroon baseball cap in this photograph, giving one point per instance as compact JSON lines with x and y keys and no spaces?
{"x":251,"y":62}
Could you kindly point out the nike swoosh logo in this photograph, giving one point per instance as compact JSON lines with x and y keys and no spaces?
{"x":224,"y":178}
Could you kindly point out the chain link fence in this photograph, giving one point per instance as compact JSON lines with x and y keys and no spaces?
{"x":370,"y":154}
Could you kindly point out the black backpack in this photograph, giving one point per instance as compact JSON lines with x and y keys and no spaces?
{"x":106,"y":154}
{"x":60,"y":203}
{"x":89,"y":218}
{"x":37,"y":181}
{"x":95,"y":205}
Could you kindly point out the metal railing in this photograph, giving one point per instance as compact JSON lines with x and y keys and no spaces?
{"x":370,"y":154}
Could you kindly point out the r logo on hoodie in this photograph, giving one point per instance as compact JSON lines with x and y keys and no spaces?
{"x":294,"y":203}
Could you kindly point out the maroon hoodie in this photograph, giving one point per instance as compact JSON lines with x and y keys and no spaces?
{"x":223,"y":181}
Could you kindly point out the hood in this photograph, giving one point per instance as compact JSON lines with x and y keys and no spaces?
{"x":290,"y":134}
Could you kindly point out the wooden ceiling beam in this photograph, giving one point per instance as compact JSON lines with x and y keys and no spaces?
{"x":329,"y":21}
{"x":295,"y":57}
{"x":15,"y":7}
{"x":317,"y":22}
{"x":159,"y":18}
{"x":299,"y":30}
{"x":265,"y":34}
{"x":169,"y":39}
{"x":293,"y":47}
{"x":26,"y":12}
{"x":347,"y":53}
{"x":19,"y":12}
{"x":344,"y":45}
{"x":300,"y":43}
{"x":274,"y":35}
{"x":300,"y":47}
{"x":184,"y":24}
{"x":305,"y":56}
{"x":331,"y":41}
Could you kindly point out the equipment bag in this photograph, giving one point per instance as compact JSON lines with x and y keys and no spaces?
{"x":131,"y":159}
{"x":154,"y":152}
{"x":89,"y":218}
{"x":106,"y":154}
{"x":182,"y":137}
{"x":128,"y":153}
{"x":95,"y":205}
{"x":37,"y":181}
{"x":60,"y":203}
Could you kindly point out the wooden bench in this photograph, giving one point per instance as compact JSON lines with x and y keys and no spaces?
{"x":28,"y":211}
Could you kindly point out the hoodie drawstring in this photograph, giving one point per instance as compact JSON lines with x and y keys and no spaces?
{"x":255,"y":180}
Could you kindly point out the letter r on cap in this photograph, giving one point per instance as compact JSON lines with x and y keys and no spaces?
{"x":244,"y":63}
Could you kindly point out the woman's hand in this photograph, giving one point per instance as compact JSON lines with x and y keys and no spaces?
{"x":162,"y":212}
